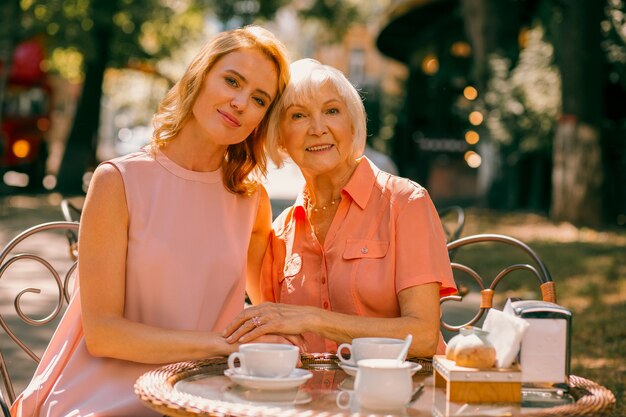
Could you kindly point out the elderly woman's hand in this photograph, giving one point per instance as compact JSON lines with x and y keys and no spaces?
{"x":268,"y":318}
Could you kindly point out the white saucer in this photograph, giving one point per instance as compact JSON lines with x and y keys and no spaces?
{"x":351,"y":369}
{"x":295,"y":379}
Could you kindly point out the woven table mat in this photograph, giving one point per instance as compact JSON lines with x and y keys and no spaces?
{"x":155,"y":389}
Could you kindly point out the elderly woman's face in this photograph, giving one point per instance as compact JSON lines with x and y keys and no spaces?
{"x":318,"y":134}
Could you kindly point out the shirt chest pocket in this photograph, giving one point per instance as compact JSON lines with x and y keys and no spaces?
{"x":365,"y":249}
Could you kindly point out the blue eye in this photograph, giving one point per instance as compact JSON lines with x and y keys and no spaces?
{"x":231,"y":81}
{"x":297,"y":116}
{"x":259,"y":101}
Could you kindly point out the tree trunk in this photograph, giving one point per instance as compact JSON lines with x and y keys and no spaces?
{"x":80,"y":149}
{"x":577,"y":174}
{"x":578,"y":171}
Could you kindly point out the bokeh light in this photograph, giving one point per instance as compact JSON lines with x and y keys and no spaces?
{"x":470,"y":93}
{"x":49,"y":182}
{"x":472,"y":159}
{"x":430,"y":64}
{"x":476,"y":118}
{"x":21,"y":148}
{"x":461,"y":49}
{"x":472,"y":137}
{"x":43,"y":124}
{"x":15,"y":179}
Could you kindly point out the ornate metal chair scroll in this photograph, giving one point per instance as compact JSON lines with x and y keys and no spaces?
{"x":51,"y":281}
{"x":537,"y":269}
{"x":453,"y":221}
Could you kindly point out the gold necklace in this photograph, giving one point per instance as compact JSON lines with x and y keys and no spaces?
{"x":316,"y":209}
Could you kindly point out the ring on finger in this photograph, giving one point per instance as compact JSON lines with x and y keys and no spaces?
{"x":256,"y":321}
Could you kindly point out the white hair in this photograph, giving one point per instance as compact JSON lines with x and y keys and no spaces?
{"x":307,"y":78}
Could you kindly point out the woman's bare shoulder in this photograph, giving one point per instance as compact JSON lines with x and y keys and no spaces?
{"x":106,"y":191}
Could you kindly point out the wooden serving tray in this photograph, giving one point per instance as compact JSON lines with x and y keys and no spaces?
{"x":474,"y":385}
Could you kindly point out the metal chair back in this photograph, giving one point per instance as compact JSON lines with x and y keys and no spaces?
{"x":18,"y":279}
{"x":453,"y":220}
{"x":536,"y":268}
{"x":71,"y":213}
{"x":4,"y":406}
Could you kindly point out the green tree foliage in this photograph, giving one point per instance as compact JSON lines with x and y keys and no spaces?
{"x":521,"y":104}
{"x":233,"y":13}
{"x":614,"y":43}
{"x":334,"y":15}
{"x":140,"y":29}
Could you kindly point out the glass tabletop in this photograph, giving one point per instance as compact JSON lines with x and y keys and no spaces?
{"x":201,"y":388}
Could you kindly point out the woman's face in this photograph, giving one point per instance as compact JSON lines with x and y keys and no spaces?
{"x":318,"y":135}
{"x":235,"y":96}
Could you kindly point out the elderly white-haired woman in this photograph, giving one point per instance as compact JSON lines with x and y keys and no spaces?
{"x":361,"y":252}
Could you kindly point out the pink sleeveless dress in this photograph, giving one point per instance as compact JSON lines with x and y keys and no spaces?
{"x":187,"y":247}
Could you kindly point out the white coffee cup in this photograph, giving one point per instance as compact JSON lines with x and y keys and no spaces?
{"x":370,"y":348}
{"x":271,"y":360}
{"x":383,"y":384}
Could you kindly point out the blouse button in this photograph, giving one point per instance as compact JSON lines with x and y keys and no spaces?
{"x":323,"y":280}
{"x":326,"y":304}
{"x":364,"y":250}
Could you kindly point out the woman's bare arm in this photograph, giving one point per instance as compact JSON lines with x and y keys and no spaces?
{"x":258,"y":246}
{"x":103,"y":240}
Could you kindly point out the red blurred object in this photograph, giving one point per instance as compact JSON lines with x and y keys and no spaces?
{"x":27,"y":60}
{"x":26,"y":114}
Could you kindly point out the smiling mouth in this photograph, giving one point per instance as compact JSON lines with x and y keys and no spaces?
{"x":230,"y":119}
{"x":318,"y":148}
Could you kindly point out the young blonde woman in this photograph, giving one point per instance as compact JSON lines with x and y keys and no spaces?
{"x":168,"y":235}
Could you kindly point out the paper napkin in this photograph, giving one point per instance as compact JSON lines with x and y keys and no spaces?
{"x":506,"y":332}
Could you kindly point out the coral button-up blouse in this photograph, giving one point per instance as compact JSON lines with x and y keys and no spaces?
{"x":386,"y":236}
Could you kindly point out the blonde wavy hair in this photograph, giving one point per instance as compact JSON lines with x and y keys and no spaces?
{"x":244,"y":162}
{"x":308,"y":76}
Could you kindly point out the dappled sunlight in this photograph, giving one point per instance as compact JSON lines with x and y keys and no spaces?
{"x":617,"y":293}
{"x":518,"y":225}
{"x":615,"y":364}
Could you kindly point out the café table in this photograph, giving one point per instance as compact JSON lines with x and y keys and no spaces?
{"x":200,"y":388}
